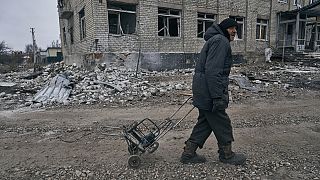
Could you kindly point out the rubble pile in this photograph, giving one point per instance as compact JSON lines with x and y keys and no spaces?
{"x":104,"y":85}
{"x":120,"y":86}
{"x":276,"y":81}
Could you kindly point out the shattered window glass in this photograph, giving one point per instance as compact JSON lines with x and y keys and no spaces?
{"x":122,"y":18}
{"x":205,"y":20}
{"x":169,"y":22}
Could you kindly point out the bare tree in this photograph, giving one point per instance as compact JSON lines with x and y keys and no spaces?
{"x":4,"y":48}
{"x":28,"y":49}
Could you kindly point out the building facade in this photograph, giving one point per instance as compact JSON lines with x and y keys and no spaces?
{"x":167,"y":34}
{"x":50,"y":55}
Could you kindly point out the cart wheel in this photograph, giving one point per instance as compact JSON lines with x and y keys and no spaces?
{"x":133,"y":149}
{"x":134,"y":161}
{"x":153,"y":147}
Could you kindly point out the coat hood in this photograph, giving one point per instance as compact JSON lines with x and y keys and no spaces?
{"x":212,"y":31}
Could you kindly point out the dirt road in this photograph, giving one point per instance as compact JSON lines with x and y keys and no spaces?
{"x":281,"y":139}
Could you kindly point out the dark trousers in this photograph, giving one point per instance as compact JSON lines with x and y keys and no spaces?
{"x":217,"y":122}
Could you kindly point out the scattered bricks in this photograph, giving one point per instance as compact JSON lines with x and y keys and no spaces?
{"x":120,"y":86}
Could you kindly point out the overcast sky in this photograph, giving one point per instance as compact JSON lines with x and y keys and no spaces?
{"x":18,"y":16}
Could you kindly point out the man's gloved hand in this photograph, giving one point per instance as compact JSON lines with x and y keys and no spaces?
{"x":219,"y":104}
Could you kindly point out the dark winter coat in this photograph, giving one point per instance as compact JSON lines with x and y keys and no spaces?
{"x":211,"y":78}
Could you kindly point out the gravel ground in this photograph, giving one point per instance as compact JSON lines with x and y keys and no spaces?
{"x":277,"y":128}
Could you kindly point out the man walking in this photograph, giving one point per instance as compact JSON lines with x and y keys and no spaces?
{"x":210,"y":95}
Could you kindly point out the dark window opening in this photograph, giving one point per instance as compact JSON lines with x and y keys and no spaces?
{"x":70,"y":30}
{"x":122,"y":18}
{"x":168,"y":22}
{"x":82,"y":22}
{"x":174,"y":27}
{"x":205,"y":20}
{"x":240,"y":29}
{"x":64,"y":35}
{"x":114,"y":28}
{"x":290,"y":29}
{"x":71,"y":35}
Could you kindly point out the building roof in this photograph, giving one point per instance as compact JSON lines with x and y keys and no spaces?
{"x":311,"y":10}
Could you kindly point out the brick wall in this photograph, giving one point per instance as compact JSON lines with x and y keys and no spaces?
{"x":146,"y":37}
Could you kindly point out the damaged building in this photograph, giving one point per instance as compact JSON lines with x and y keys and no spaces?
{"x":168,"y":34}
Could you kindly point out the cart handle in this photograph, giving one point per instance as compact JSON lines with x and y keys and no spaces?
{"x":174,"y":125}
{"x":180,"y":108}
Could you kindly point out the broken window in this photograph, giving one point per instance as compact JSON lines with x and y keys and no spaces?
{"x":169,"y":22}
{"x":240,"y":29}
{"x":82,"y":22}
{"x":205,"y":20}
{"x":64,"y":38}
{"x":122,"y":18}
{"x":261,"y":29}
{"x":71,"y":34}
{"x":70,"y":30}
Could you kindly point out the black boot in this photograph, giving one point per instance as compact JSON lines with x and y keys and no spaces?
{"x":227,"y":156}
{"x":189,"y":154}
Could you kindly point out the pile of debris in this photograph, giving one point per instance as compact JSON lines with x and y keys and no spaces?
{"x":274,"y":81}
{"x":70,"y":85}
{"x":61,"y":84}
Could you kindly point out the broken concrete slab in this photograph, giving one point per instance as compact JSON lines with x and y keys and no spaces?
{"x":57,"y":90}
{"x":244,"y":82}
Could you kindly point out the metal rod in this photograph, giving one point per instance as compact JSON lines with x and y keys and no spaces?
{"x":183,"y":117}
{"x":179,"y":108}
{"x":173,"y":126}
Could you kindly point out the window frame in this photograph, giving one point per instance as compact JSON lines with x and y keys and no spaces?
{"x":71,"y":29}
{"x":170,"y":13}
{"x":82,"y":24}
{"x":118,"y":13}
{"x":236,"y":18}
{"x":261,"y":24}
{"x":64,"y":35}
{"x":203,"y":20}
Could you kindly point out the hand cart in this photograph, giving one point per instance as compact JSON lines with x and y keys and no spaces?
{"x":143,"y":136}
